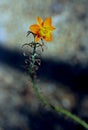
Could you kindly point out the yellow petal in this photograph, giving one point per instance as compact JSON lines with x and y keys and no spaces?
{"x":48,"y":38}
{"x":39,"y":20}
{"x":47,"y":22}
{"x":34,"y":28}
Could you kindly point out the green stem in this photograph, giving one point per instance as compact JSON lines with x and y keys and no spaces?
{"x":31,"y":68}
{"x":45,"y":101}
{"x":71,"y":116}
{"x":59,"y":110}
{"x":39,"y":95}
{"x":33,"y":55}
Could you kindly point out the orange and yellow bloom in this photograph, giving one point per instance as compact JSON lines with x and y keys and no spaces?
{"x":43,"y":29}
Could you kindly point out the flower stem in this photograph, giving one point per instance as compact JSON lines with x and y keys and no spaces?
{"x":58,"y":109}
{"x":39,"y":95}
{"x":45,"y":101}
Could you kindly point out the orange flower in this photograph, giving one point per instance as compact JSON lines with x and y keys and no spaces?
{"x":43,"y":29}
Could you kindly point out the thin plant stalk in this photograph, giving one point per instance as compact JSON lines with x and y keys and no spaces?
{"x":55,"y":108}
{"x":32,"y":72}
{"x":58,"y":109}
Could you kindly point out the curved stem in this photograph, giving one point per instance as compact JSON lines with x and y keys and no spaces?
{"x":58,"y":109}
{"x":45,"y":101}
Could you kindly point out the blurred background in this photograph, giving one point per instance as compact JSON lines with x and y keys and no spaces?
{"x":63,"y":74}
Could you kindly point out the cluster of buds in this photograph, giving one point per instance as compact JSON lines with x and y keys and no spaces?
{"x":33,"y":60}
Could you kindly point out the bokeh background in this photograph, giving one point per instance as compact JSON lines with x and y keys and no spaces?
{"x":63,"y":74}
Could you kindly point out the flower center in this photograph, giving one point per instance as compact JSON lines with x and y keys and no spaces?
{"x":44,"y":31}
